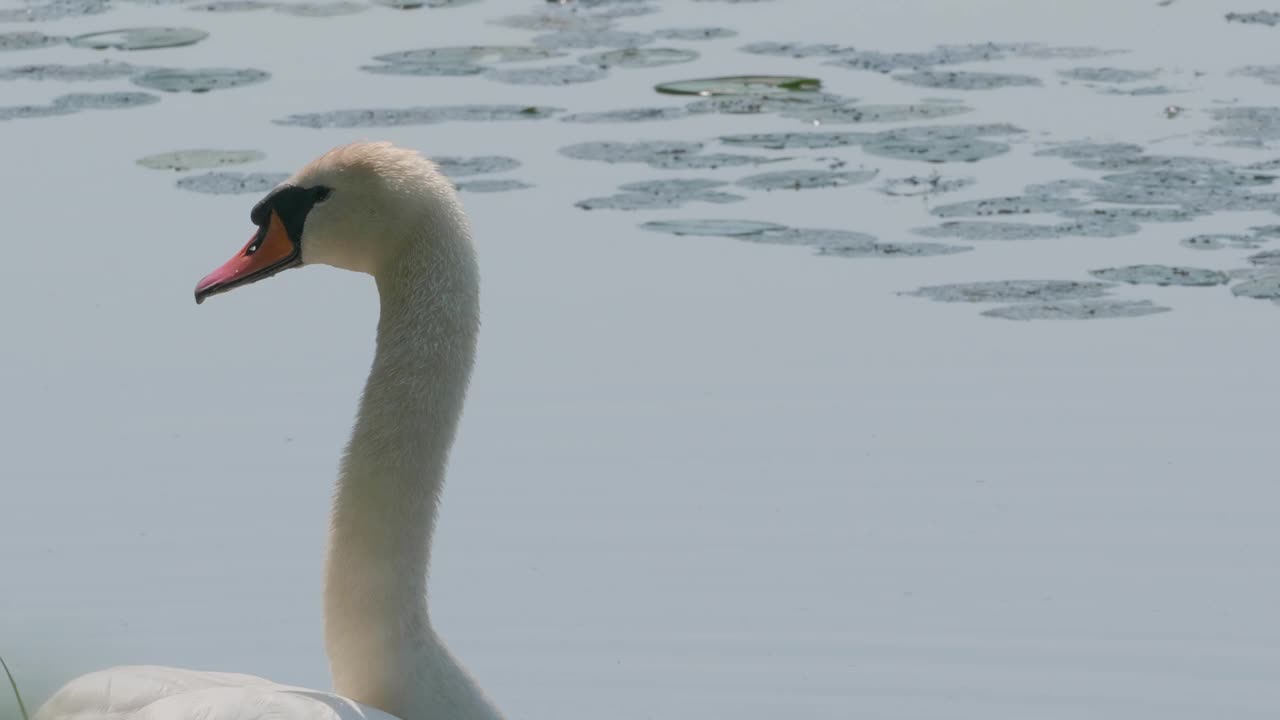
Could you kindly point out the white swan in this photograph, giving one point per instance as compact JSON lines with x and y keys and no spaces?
{"x":388,"y":212}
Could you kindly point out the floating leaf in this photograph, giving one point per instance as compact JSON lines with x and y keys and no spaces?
{"x":639,"y":57}
{"x":199,"y":80}
{"x":1161,"y":275}
{"x":548,"y":75}
{"x":141,"y":38}
{"x":395,"y":117}
{"x":955,"y":80}
{"x":1077,"y":310}
{"x":741,"y":85}
{"x":716,"y":228}
{"x":199,"y":159}
{"x":28,"y":40}
{"x":231,"y":183}
{"x":805,"y":179}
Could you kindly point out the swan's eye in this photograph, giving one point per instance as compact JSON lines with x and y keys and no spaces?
{"x":253,"y":248}
{"x":322,"y":193}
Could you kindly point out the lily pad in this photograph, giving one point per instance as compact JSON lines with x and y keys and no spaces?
{"x":917,"y":185}
{"x":231,"y":183}
{"x":1161,"y":275}
{"x":589,"y":39}
{"x":896,"y":249}
{"x":199,"y":80}
{"x":628,"y":115}
{"x":105,"y":101}
{"x":199,"y":159}
{"x":1263,"y":288}
{"x":1261,"y":17}
{"x":1269,"y":74}
{"x":741,"y":85}
{"x":805,"y":179}
{"x":471,"y":55}
{"x":28,"y":40}
{"x":320,"y":9}
{"x":1107,"y":74}
{"x":797,"y":140}
{"x":70,"y":73}
{"x":1219,"y":241}
{"x":830,"y":113}
{"x":547,"y":75}
{"x":639,"y":57}
{"x":978,"y":230}
{"x":956,"y":80}
{"x":622,"y":152}
{"x":424,"y":69}
{"x":1013,"y":291}
{"x":489,"y":186}
{"x":935,"y":151}
{"x":1078,"y":310}
{"x":465,"y":166}
{"x":231,"y":6}
{"x":54,"y":10}
{"x":141,"y":38}
{"x":714,"y":228}
{"x":396,"y":117}
{"x":1015,"y":205}
{"x":695,"y":33}
{"x":655,"y":194}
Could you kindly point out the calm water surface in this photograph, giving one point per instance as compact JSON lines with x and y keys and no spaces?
{"x":698,"y":477}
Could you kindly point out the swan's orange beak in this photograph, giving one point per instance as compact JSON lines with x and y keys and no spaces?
{"x":269,"y":251}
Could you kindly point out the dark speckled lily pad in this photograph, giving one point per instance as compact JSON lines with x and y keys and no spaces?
{"x":70,"y":73}
{"x":320,"y":9}
{"x":916,"y":185}
{"x":28,"y":40}
{"x":589,"y":39}
{"x":54,"y":10}
{"x":1261,"y":288}
{"x":105,"y":101}
{"x":395,"y":117}
{"x":199,"y":80}
{"x":955,"y":80}
{"x":1219,"y":241}
{"x":805,"y":179}
{"x":622,"y":152}
{"x":547,"y":75}
{"x":653,"y":194}
{"x":231,"y":183}
{"x":141,"y":38}
{"x":639,"y":57}
{"x":491,"y":186}
{"x":896,"y":249}
{"x":628,"y":115}
{"x":694,"y":33}
{"x":1016,"y":205}
{"x":1260,"y":17}
{"x":1161,"y":275}
{"x":828,"y":113}
{"x":466,"y":166}
{"x":199,"y":159}
{"x":797,"y":140}
{"x":1077,"y":310}
{"x":74,"y":102}
{"x":1269,"y":258}
{"x":714,"y":228}
{"x":471,"y":55}
{"x":740,"y":85}
{"x":1107,"y":74}
{"x":231,"y":6}
{"x":1269,"y":74}
{"x":984,"y":230}
{"x":1012,"y":291}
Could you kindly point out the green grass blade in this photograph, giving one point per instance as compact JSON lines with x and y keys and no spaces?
{"x":13,"y":684}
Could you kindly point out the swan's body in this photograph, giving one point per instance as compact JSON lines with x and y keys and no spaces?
{"x":394,"y":216}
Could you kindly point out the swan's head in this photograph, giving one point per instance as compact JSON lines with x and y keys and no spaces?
{"x":355,"y":208}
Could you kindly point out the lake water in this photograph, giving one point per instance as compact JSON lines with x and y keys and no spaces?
{"x":698,"y":476}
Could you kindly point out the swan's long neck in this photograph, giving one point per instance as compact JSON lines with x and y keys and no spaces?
{"x":382,"y":649}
